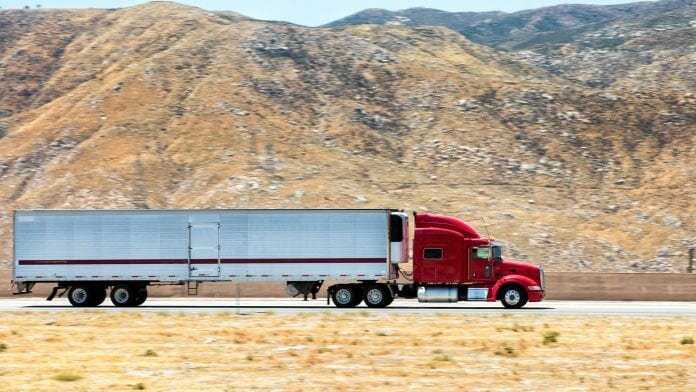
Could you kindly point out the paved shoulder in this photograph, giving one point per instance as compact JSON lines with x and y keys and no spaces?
{"x":289,"y":305}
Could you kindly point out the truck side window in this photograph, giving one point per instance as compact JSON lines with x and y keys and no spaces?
{"x":432,"y":253}
{"x":481,"y":253}
{"x":396,"y":229}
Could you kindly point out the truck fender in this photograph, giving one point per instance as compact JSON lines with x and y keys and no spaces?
{"x":518,"y":279}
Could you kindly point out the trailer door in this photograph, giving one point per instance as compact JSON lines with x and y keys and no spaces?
{"x":204,"y":249}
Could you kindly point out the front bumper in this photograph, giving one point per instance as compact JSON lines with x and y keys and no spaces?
{"x":536,"y":296}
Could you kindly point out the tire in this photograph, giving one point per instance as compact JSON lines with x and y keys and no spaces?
{"x":122,"y":295}
{"x":377,"y":296}
{"x":345,"y":296}
{"x":98,"y":296}
{"x":80,"y":296}
{"x":358,"y":290}
{"x":140,"y":296}
{"x":513,"y":297}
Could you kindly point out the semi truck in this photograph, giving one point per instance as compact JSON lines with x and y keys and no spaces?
{"x":364,"y":253}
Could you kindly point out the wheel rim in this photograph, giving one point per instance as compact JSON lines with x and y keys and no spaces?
{"x":121,"y":296}
{"x":343,"y":296}
{"x":79,"y":295}
{"x":512,"y":297}
{"x":374,"y":296}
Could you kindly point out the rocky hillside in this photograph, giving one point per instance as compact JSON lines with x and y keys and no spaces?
{"x":168,"y":106}
{"x":646,"y":45}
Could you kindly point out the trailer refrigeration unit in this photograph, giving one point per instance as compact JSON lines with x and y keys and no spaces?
{"x":92,"y":253}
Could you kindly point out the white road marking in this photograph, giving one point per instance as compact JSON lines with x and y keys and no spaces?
{"x":291,"y":305}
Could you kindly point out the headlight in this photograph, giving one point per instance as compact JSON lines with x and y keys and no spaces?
{"x":541,"y":277}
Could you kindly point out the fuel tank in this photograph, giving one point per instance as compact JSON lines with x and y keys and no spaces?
{"x":438,"y":294}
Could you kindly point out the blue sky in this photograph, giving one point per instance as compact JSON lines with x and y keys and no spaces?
{"x":314,"y":12}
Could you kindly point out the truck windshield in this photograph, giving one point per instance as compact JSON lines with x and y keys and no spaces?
{"x":497,"y":251}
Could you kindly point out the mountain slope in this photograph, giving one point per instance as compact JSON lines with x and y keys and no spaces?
{"x":625,"y":45}
{"x":168,"y":106}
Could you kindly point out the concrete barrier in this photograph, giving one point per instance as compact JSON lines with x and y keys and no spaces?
{"x":596,"y":286}
{"x":559,"y":286}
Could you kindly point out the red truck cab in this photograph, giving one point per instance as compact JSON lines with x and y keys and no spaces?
{"x":451,"y":259}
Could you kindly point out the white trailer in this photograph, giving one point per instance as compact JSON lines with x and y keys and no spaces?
{"x":90,"y":252}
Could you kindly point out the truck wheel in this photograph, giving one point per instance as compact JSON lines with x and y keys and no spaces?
{"x":98,"y":296}
{"x":122,"y":295}
{"x":80,"y":296}
{"x":377,"y":296}
{"x":345,"y":297}
{"x":140,"y":296}
{"x":513,"y":297}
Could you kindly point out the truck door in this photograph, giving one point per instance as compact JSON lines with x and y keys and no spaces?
{"x":481,"y":264}
{"x":204,"y":249}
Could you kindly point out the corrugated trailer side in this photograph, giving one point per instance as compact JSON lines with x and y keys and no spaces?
{"x":56,"y":246}
{"x":106,"y":248}
{"x":306,"y":245}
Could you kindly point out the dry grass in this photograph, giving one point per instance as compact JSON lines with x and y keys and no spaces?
{"x":343,"y":351}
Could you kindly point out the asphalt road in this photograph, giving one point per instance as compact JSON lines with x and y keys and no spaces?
{"x":290,"y":305}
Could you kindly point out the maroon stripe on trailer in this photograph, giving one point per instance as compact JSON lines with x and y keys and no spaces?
{"x":306,"y":260}
{"x":119,"y":261}
{"x":204,"y":261}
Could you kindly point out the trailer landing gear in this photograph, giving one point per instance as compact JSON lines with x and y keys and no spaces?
{"x":303,"y":288}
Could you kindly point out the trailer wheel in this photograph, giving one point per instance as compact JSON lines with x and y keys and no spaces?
{"x":80,"y":296}
{"x":122,"y":295}
{"x":98,"y":296}
{"x":513,"y":297}
{"x":140,"y":296}
{"x":377,"y":296}
{"x":345,"y":297}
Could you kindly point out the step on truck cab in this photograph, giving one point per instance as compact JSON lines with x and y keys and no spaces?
{"x":95,"y":254}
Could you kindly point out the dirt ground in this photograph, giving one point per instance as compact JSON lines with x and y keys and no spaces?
{"x":93,"y":350}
